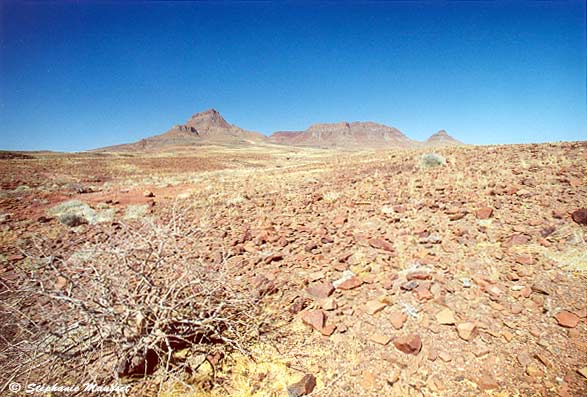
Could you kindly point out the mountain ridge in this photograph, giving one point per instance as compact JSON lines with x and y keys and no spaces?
{"x":209,"y":127}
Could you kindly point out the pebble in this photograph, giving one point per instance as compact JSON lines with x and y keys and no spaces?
{"x":445,"y":317}
{"x":321,"y":290}
{"x":567,"y":319}
{"x":484,"y":213}
{"x":303,"y":387}
{"x":380,"y":339}
{"x":374,"y":306}
{"x":314,"y":318}
{"x":409,"y":344}
{"x":467,"y":331}
{"x":397,"y":319}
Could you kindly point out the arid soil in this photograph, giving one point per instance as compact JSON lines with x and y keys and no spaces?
{"x":380,"y":276}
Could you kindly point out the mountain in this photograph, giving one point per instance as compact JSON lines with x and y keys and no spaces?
{"x":208,"y":127}
{"x":346,"y":135}
{"x":441,"y":138}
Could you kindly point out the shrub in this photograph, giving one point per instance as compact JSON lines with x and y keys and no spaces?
{"x":430,"y":160}
{"x":124,"y":308}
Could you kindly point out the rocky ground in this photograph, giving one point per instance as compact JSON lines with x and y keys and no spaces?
{"x":381,"y":276}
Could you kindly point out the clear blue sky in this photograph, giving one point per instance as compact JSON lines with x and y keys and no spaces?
{"x":79,"y":75}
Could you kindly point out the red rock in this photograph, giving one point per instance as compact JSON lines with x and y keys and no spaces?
{"x":321,"y":290}
{"x":409,"y":344}
{"x":422,"y":292}
{"x":418,"y":275}
{"x":484,"y":213}
{"x":580,"y":216}
{"x":567,"y":319}
{"x":351,"y":283}
{"x":315,"y":319}
{"x":302,"y":388}
{"x":516,"y":308}
{"x":264,"y":286}
{"x":388,"y":280}
{"x":380,"y":243}
{"x":519,"y":239}
{"x":328,"y":330}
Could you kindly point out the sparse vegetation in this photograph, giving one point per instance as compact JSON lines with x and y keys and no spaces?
{"x":430,"y":160}
{"x":126,"y":307}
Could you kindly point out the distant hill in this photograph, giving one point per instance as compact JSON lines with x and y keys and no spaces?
{"x":208,"y":127}
{"x":353,"y":135}
{"x":441,"y":138}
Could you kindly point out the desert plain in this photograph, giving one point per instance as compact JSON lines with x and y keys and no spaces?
{"x":350,"y":272}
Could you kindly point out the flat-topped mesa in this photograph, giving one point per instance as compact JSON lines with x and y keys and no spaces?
{"x":441,"y":138}
{"x":355,"y":135}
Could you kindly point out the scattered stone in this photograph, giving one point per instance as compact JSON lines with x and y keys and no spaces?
{"x":445,"y":356}
{"x":583,"y":372}
{"x":542,"y":358}
{"x":484,"y":213}
{"x":382,"y":244}
{"x":410,"y":285}
{"x":409,"y":344}
{"x":348,"y":281}
{"x":303,"y":387}
{"x":374,"y":306}
{"x":397,"y":319}
{"x":580,"y":216}
{"x":314,"y":318}
{"x":525,"y":260}
{"x":380,"y":339}
{"x":507,"y":335}
{"x":516,"y":308}
{"x":328,"y":329}
{"x":418,"y":275}
{"x":467,"y":331}
{"x":264,"y":286}
{"x":321,"y":290}
{"x":482,"y":350}
{"x":466,"y":283}
{"x":487,"y":382}
{"x":567,"y":319}
{"x":329,"y":304}
{"x":540,"y":288}
{"x":446,"y":317}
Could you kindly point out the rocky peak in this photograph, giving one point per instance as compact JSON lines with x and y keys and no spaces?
{"x":441,"y":138}
{"x":210,"y":118}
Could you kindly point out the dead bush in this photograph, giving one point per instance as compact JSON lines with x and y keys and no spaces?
{"x":123,"y":308}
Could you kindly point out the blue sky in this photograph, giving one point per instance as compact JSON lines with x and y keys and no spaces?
{"x":80,"y":75}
